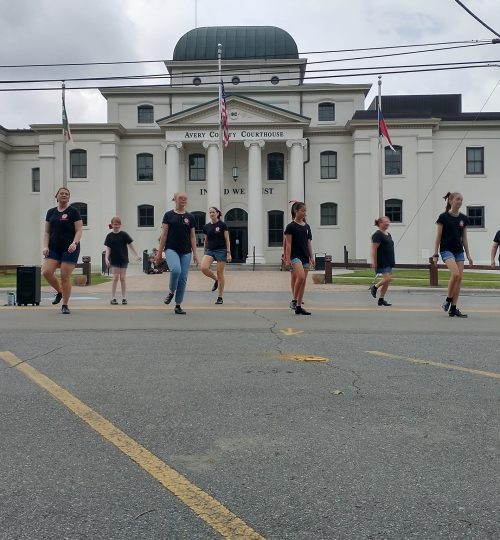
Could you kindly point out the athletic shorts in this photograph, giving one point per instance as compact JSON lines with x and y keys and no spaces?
{"x":120,"y":266}
{"x":64,"y":256}
{"x":296,"y":260}
{"x":384,"y":270}
{"x":459,"y":257}
{"x":217,"y":254}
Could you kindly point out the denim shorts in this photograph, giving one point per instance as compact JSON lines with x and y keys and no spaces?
{"x":384,"y":270}
{"x":217,"y":254}
{"x":459,"y":257}
{"x":296,"y":260}
{"x":64,"y":256}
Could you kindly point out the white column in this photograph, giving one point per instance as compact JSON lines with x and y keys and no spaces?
{"x":255,"y":204}
{"x":173,"y":176}
{"x":296,"y":169}
{"x":213,"y":174}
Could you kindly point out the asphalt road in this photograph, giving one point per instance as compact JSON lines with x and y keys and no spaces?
{"x":247,"y":421}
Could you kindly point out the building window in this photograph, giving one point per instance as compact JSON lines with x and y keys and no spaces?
{"x":145,"y":215}
{"x":476,"y":216}
{"x":35,"y":180}
{"x":145,"y":114}
{"x":197,"y":167}
{"x":144,"y":167}
{"x":328,"y":163}
{"x":326,"y":112}
{"x":275,"y":225}
{"x":475,"y":160}
{"x":275,"y":79}
{"x":235,"y":80}
{"x":78,"y":164}
{"x":394,"y":210}
{"x":328,"y":213}
{"x":200,"y":220}
{"x":197,"y":81}
{"x":393,"y":160}
{"x":82,"y":209}
{"x":276,"y":166}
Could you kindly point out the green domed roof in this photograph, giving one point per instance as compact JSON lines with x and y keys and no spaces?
{"x":238,"y":42}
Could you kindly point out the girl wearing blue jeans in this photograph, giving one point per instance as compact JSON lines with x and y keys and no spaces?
{"x":179,"y":241}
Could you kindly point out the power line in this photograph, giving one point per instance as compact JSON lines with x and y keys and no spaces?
{"x":477,"y":18}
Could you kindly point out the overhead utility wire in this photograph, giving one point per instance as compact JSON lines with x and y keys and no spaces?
{"x":477,"y":18}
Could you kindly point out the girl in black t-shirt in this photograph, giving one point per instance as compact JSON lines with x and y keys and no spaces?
{"x":117,"y":243}
{"x":217,"y":248}
{"x":494,"y":248}
{"x":450,"y":243}
{"x":298,"y":253}
{"x":61,"y":246}
{"x":383,"y":260}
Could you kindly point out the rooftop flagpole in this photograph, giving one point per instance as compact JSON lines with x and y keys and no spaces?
{"x":380,"y":153}
{"x":65,"y":137}
{"x":221,"y":147}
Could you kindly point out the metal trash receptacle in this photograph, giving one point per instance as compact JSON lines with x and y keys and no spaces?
{"x":319,"y":261}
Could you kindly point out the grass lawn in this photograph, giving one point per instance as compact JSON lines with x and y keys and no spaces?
{"x":420,"y":278}
{"x":8,"y":279}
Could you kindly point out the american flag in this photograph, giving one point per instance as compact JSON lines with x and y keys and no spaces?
{"x":382,"y":128}
{"x":223,"y":116}
{"x":65,"y":123}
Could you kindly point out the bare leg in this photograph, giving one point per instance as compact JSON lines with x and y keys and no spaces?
{"x":66,"y":271}
{"x":456,"y":269}
{"x":48,"y":271}
{"x":205,"y":266}
{"x":220,"y":276}
{"x":114,"y":283}
{"x":384,"y":283}
{"x":123,"y":282}
{"x":300,"y":282}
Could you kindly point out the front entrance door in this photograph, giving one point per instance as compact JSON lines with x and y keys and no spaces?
{"x":237,"y":223}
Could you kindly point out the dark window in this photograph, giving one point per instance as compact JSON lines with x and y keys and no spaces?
{"x":394,"y":210}
{"x":145,"y":215}
{"x":275,"y":225}
{"x":326,"y":112}
{"x":197,"y":167}
{"x":82,"y":208}
{"x":328,"y":163}
{"x":200,"y":220}
{"x":275,"y":79}
{"x":144,"y":167}
{"x":78,"y":164}
{"x":197,"y":81}
{"x":275,"y":166}
{"x":475,"y":160}
{"x":145,"y":114}
{"x":236,"y":214}
{"x":35,"y":180}
{"x":393,"y":160}
{"x":476,"y":216}
{"x":328,"y":214}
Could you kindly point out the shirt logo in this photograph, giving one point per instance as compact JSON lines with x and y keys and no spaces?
{"x":64,"y":217}
{"x":217,"y":229}
{"x":461,"y":223}
{"x":186,"y":221}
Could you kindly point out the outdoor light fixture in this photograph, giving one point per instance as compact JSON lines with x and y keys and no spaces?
{"x":236,"y":173}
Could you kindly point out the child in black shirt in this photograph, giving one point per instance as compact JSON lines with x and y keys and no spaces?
{"x":383,"y":260}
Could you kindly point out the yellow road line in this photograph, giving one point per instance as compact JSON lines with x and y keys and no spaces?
{"x":442,"y":365}
{"x":203,"y":505}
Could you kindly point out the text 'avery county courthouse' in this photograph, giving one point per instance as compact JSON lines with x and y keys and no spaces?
{"x":288,"y":140}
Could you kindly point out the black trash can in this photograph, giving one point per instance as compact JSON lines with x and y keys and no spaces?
{"x":29,"y":285}
{"x":319,"y":261}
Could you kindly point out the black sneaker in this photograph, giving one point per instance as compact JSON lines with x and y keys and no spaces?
{"x":373,"y":291}
{"x":446,"y":305}
{"x":219,"y":300}
{"x":299,"y":310}
{"x":168,"y":298}
{"x":457,"y":313}
{"x":215,"y":286}
{"x":382,"y":302}
{"x":57,"y":299}
{"x":179,"y":311}
{"x":65,"y":309}
{"x":293,"y":304}
{"x":114,"y":302}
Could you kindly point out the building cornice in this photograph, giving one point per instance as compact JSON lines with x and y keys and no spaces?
{"x":49,"y":129}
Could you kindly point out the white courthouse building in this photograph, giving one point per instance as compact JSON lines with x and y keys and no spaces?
{"x":289,"y":139}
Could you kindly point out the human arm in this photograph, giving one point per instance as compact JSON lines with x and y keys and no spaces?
{"x":193,"y":245}
{"x":494,"y":249}
{"x":437,"y":242}
{"x":373,"y":254}
{"x":228,"y":246}
{"x":310,"y":253}
{"x":106,"y":256}
{"x":134,"y":251}
{"x":78,"y":235}
{"x":288,"y":249}
{"x":163,"y":239}
{"x":46,"y":237}
{"x":466,"y":247}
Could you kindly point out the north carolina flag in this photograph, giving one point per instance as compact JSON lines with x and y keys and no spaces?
{"x":223,"y":116}
{"x":382,"y":128}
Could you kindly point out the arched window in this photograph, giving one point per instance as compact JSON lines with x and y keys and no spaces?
{"x":326,"y":112}
{"x":394,"y":210}
{"x":200,"y":220}
{"x":78,"y":163}
{"x":275,"y":227}
{"x":328,"y":213}
{"x":328,"y":164}
{"x":144,"y":167}
{"x":145,"y":114}
{"x":236,"y":214}
{"x":145,"y":215}
{"x":275,"y":166}
{"x":197,"y":167}
{"x":82,"y":208}
{"x":393,"y":160}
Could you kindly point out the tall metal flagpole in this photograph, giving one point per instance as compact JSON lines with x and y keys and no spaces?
{"x":64,"y":174}
{"x":380,"y":153}
{"x":221,"y":147}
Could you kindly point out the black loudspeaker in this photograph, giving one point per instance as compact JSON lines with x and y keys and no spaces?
{"x":28,"y":285}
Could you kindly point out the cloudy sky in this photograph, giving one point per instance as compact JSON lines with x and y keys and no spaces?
{"x":85,"y":31}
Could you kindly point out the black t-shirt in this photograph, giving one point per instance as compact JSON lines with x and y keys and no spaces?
{"x":118,"y":247}
{"x":453,"y":232}
{"x":179,"y":231}
{"x":215,"y":235}
{"x":385,"y":250}
{"x":497,"y":240}
{"x":62,"y":227}
{"x":301,"y":234}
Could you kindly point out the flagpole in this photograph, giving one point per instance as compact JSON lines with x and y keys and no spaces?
{"x":381,"y":211}
{"x":64,"y":174}
{"x":221,"y":148}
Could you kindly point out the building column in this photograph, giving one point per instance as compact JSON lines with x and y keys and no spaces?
{"x":255,"y":204}
{"x":213,"y":180}
{"x":172,"y":178}
{"x":296,"y":169}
